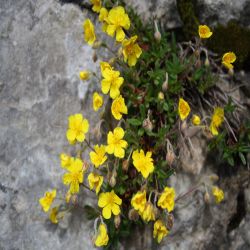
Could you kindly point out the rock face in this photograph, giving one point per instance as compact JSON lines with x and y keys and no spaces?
{"x":41,"y":53}
{"x":210,"y":12}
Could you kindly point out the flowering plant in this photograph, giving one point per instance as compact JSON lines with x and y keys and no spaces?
{"x":158,"y":102}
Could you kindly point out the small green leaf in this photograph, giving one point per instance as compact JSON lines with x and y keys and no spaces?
{"x":243,"y":159}
{"x":134,"y":122}
{"x":230,"y":160}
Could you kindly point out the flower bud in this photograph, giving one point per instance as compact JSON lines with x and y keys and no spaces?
{"x":160,"y":96}
{"x":231,"y":72}
{"x":84,"y":75}
{"x":156,"y":212}
{"x":214,"y":177}
{"x":74,"y":199}
{"x":94,"y":57}
{"x":120,"y":52}
{"x":196,"y":120}
{"x":112,"y":180}
{"x":170,"y":157}
{"x":197,"y":53}
{"x":112,"y":61}
{"x":207,"y":198}
{"x":117,"y":221}
{"x":85,"y":166}
{"x":165,"y":84}
{"x":207,"y":63}
{"x":170,"y":221}
{"x":133,"y":215}
{"x":157,"y":36}
{"x":125,"y":165}
{"x":67,"y":197}
{"x":97,"y":44}
{"x":147,"y":124}
{"x":183,"y":125}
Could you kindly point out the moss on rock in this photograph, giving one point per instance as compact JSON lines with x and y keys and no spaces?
{"x":232,"y":37}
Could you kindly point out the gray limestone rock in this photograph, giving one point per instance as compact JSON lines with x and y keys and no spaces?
{"x":41,"y":52}
{"x":209,"y":12}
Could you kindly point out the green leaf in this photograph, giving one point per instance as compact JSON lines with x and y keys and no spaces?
{"x":230,"y":160}
{"x":134,"y":122}
{"x":141,"y":132}
{"x":243,"y":159}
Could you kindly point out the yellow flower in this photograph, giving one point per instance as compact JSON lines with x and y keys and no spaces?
{"x":218,"y":194}
{"x":95,"y":182}
{"x":110,"y":202}
{"x":75,"y":176}
{"x":98,"y":157}
{"x":139,"y":201}
{"x":148,"y":213}
{"x":115,"y":143}
{"x":103,"y":14}
{"x":102,"y":237}
{"x":117,"y":20}
{"x":84,"y":75}
{"x":47,"y":200}
{"x":160,"y":231}
{"x":196,"y":120}
{"x":78,"y":127}
{"x":97,"y":4}
{"x":97,"y":101}
{"x":166,"y":199}
{"x":131,"y":50}
{"x":183,"y":109}
{"x":104,"y":66}
{"x":227,"y":60}
{"x":103,"y":17}
{"x":89,"y":32}
{"x":161,"y":95}
{"x":111,"y":82}
{"x":217,"y":119}
{"x":143,"y":163}
{"x":53,"y":215}
{"x":118,"y":108}
{"x":204,"y":31}
{"x":66,"y":160}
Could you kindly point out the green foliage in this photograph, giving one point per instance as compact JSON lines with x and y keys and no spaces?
{"x":231,"y":151}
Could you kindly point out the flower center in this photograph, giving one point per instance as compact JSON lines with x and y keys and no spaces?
{"x":183,"y":109}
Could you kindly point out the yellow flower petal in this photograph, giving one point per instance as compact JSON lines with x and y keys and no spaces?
{"x":102,"y":237}
{"x":89,"y":32}
{"x":204,"y":31}
{"x":183,"y":109}
{"x":143,"y":163}
{"x":97,"y":101}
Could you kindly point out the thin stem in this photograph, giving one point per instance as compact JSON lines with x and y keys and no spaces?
{"x":82,"y":184}
{"x":88,"y":144}
{"x":187,"y":193}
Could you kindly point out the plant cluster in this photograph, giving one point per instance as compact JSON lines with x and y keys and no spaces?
{"x":159,"y":89}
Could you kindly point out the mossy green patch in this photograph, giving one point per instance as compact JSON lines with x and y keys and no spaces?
{"x":232,"y":37}
{"x":188,"y":16}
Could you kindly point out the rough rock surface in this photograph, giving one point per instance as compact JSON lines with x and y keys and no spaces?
{"x":41,"y":53}
{"x":208,"y":11}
